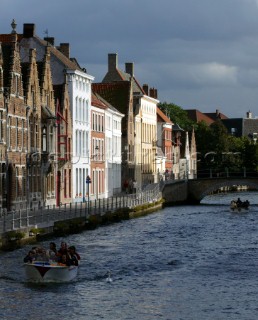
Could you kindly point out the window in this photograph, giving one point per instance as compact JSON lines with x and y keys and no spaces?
{"x":44,"y":139}
{"x":17,"y":181}
{"x":51,"y":139}
{"x":9,"y":132}
{"x":65,"y":184}
{"x":36,"y":136}
{"x":17,"y":133}
{"x":1,"y":125}
{"x":22,"y":134}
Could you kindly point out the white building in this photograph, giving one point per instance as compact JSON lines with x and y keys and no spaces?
{"x":79,"y":85}
{"x":113,"y":136}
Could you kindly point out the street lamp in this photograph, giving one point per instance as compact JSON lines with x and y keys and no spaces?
{"x":97,"y":173}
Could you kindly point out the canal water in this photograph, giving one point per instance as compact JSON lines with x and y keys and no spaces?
{"x":185,"y":262}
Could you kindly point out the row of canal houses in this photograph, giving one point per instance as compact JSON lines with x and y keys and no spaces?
{"x":64,"y":138}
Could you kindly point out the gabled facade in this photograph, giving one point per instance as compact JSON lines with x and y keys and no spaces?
{"x":113,"y":151}
{"x":164,"y":141}
{"x":66,"y":70}
{"x":64,"y":144}
{"x":98,"y":148}
{"x":145,"y":122}
{"x":79,"y":85}
{"x":13,"y":125}
{"x":119,"y":95}
{"x":48,"y":133}
{"x":32,"y":94}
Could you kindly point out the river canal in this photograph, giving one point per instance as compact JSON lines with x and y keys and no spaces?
{"x":185,"y":262}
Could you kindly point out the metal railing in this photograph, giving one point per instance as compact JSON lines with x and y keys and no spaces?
{"x":47,"y":216}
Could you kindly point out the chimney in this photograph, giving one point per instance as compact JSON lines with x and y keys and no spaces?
{"x":65,"y":49}
{"x":50,"y":40}
{"x":129,"y":68}
{"x":112,"y":61}
{"x":249,"y":115}
{"x":146,"y":89}
{"x":29,"y":30}
{"x":153,"y":93}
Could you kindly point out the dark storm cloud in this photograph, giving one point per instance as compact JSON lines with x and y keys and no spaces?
{"x":197,"y":53}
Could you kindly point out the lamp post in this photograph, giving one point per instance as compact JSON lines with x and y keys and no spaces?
{"x":97,"y":173}
{"x":88,"y":181}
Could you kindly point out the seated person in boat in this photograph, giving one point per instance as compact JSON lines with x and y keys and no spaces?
{"x":239,"y":202}
{"x":41,"y":254}
{"x":74,"y":257}
{"x":52,"y":252}
{"x":63,"y":249}
{"x":30,"y":257}
{"x":65,"y":261}
{"x":72,"y":251}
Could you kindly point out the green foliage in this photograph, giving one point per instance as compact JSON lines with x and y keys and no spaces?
{"x":177,"y":115}
{"x":220,"y":150}
{"x":15,"y":235}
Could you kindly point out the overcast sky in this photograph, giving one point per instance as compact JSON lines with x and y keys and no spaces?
{"x":199,"y":54}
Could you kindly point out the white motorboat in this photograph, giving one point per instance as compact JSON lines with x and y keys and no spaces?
{"x":41,"y":271}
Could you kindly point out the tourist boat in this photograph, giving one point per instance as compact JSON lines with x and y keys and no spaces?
{"x":239,"y":206}
{"x":40,"y":271}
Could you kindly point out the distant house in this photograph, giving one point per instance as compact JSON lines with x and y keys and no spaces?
{"x":209,"y":117}
{"x":243,"y":127}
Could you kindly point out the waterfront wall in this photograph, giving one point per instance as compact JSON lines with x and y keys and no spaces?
{"x":69,"y":218}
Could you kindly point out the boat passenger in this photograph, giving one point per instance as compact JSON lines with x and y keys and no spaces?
{"x":65,"y":261}
{"x":73,"y":256}
{"x":72,"y":250}
{"x":52,"y":251}
{"x":63,"y":249}
{"x":239,"y":202}
{"x":30,"y":257}
{"x":41,"y":254}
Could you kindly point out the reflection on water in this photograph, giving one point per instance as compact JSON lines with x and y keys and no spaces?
{"x":225,"y":198}
{"x":184,"y":262}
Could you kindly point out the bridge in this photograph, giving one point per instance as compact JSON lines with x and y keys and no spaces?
{"x":194,"y":190}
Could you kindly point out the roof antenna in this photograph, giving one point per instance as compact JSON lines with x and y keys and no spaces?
{"x":46,"y":33}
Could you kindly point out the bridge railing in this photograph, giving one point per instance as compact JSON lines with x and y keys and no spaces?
{"x":226,"y":173}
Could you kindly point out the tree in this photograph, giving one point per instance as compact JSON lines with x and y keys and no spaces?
{"x":177,"y":115}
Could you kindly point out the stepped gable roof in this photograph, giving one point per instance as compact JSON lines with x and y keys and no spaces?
{"x":116,"y":93}
{"x":25,"y":74}
{"x":162,"y":116}
{"x":40,"y":67}
{"x":68,"y":63}
{"x":198,"y":116}
{"x":6,"y":41}
{"x":7,"y":60}
{"x":58,"y":91}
